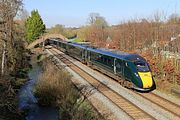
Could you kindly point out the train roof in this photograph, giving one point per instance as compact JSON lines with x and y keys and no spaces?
{"x":53,"y":39}
{"x":105,"y":51}
{"x":117,"y":54}
{"x":83,"y":46}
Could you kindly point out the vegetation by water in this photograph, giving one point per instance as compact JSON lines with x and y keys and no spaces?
{"x":14,"y":59}
{"x":77,"y":40}
{"x":9,"y":88}
{"x":55,"y":88}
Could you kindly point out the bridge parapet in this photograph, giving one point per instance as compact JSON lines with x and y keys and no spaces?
{"x":45,"y":37}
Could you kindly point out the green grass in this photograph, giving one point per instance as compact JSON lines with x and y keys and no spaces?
{"x":77,"y":40}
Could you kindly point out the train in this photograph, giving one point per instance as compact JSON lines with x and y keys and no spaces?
{"x":130,"y":70}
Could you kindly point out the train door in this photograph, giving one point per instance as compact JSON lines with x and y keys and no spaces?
{"x":114,"y":65}
{"x":119,"y":67}
{"x":89,"y":56}
{"x":86,"y":55}
{"x":83,"y":55}
{"x":127,"y":70}
{"x":122,"y":68}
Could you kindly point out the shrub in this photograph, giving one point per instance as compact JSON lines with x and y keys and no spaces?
{"x":52,"y":85}
{"x":55,"y":88}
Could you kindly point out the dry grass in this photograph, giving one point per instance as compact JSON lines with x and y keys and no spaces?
{"x":55,"y":88}
{"x":52,"y":85}
{"x":164,"y":86}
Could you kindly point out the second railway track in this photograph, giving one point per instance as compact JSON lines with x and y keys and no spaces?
{"x":162,"y":102}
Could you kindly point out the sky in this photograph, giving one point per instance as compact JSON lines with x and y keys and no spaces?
{"x":74,"y":13}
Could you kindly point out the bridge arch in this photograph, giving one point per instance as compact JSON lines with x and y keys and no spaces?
{"x":45,"y":37}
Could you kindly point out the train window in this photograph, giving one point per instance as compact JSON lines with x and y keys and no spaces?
{"x":118,"y":66}
{"x":94,"y":56}
{"x":105,"y":60}
{"x":98,"y":57}
{"x":101,"y":59}
{"x":142,"y":66}
{"x":108,"y":61}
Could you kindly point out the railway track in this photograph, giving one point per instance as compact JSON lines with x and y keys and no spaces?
{"x":129,"y":108}
{"x":162,"y":102}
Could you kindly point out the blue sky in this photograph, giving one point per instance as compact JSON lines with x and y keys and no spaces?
{"x":76,"y":12}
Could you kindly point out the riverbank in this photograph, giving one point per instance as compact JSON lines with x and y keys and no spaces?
{"x":28,"y":101}
{"x":9,"y":88}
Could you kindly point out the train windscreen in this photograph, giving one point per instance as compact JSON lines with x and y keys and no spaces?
{"x":142,"y":66}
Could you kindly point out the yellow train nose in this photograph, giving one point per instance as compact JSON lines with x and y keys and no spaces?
{"x":146,"y":78}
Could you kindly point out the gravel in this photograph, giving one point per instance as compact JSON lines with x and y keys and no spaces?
{"x":169,"y":97}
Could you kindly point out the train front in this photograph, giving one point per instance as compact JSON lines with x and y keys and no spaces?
{"x":143,"y":73}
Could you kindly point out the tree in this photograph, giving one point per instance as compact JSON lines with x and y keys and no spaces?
{"x":34,"y":26}
{"x":23,"y":15}
{"x":57,"y":29}
{"x":97,"y":33}
{"x":92,"y":18}
{"x":8,"y":10}
{"x":97,"y":20}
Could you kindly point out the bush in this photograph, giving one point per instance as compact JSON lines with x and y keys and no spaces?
{"x":56,"y":89}
{"x":52,"y":85}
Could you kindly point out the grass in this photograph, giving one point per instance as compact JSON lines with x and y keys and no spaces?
{"x":163,"y":86}
{"x":56,"y":89}
{"x":51,"y":85}
{"x":177,"y":87}
{"x":77,"y":40}
{"x":39,"y":57}
{"x":20,"y":82}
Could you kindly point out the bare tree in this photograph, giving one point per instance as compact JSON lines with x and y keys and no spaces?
{"x":92,"y":18}
{"x":23,"y":14}
{"x":8,"y":10}
{"x":96,"y":19}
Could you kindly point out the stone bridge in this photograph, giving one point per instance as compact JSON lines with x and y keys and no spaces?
{"x":45,"y":37}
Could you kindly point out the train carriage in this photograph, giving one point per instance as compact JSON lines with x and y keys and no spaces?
{"x":131,"y":70}
{"x":77,"y":51}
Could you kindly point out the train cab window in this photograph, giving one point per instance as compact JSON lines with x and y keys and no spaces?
{"x":142,"y":66}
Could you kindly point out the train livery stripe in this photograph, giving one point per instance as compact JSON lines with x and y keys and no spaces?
{"x":146,"y":78}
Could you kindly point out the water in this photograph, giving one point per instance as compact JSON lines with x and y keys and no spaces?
{"x":27,"y":101}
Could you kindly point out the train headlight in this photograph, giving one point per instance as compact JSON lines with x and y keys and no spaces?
{"x":136,"y":75}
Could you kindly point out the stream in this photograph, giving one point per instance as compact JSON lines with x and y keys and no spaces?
{"x":27,"y":100}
